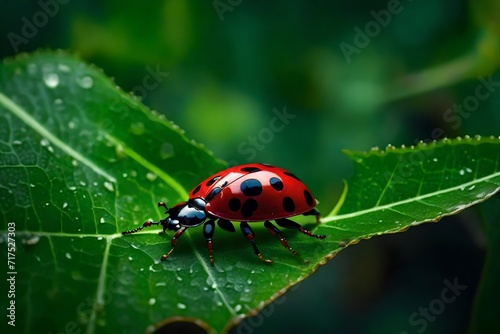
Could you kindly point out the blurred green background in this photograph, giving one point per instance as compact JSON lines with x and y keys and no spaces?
{"x":292,"y":83}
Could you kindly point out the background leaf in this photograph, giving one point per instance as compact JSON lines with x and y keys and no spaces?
{"x":484,"y":317}
{"x":83,"y":161}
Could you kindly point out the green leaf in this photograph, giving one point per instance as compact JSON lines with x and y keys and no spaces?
{"x":393,"y":189}
{"x":82,"y":161}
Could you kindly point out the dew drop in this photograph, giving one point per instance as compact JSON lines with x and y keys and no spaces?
{"x":16,"y":142}
{"x":68,"y":256}
{"x":58,"y":101}
{"x":44,"y":142}
{"x":435,"y":159}
{"x":151,"y":176}
{"x":74,"y":163}
{"x":73,"y":188}
{"x":161,"y":284}
{"x":472,"y":187}
{"x":51,"y":80}
{"x":63,"y":68}
{"x":32,"y":185}
{"x":71,"y":125}
{"x":33,"y":240}
{"x":468,"y":170}
{"x":86,"y":82}
{"x":152,"y":301}
{"x":166,"y":151}
{"x":102,"y":220}
{"x":152,"y":269}
{"x":237,"y":308}
{"x":181,"y":306}
{"x":109,"y":186}
{"x":65,"y":205}
{"x":137,"y":128}
{"x":461,"y":172}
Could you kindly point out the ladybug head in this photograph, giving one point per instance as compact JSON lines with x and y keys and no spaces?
{"x":190,"y":214}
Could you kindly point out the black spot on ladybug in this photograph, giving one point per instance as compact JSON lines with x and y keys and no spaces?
{"x":198,"y":203}
{"x":213,"y":193}
{"x":212,"y":180}
{"x":250,"y":169}
{"x":195,"y":190}
{"x":276,"y":183}
{"x":308,"y":197}
{"x":251,"y":187}
{"x":248,"y":207}
{"x":291,"y":175}
{"x":234,"y":204}
{"x":288,"y":204}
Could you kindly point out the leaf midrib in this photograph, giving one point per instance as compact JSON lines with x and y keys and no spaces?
{"x":18,"y":111}
{"x":410,"y":200}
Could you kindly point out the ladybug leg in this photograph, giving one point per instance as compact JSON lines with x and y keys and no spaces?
{"x":313,"y":212}
{"x":208,"y":232}
{"x":226,"y":225}
{"x":277,"y":233}
{"x":248,"y":233}
{"x":287,"y":223}
{"x":174,"y":242}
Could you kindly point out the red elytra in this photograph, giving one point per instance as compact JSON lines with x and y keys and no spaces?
{"x":244,"y":193}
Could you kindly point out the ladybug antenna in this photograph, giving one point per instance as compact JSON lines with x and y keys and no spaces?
{"x":146,"y":224}
{"x":162,"y":204}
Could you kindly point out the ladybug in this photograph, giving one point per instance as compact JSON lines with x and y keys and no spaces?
{"x":245,"y":193}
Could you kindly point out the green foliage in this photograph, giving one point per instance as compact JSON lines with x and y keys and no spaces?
{"x":82,"y":161}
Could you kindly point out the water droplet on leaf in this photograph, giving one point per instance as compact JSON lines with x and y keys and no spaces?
{"x":33,"y":240}
{"x":109,"y":186}
{"x":86,"y":82}
{"x":51,"y":80}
